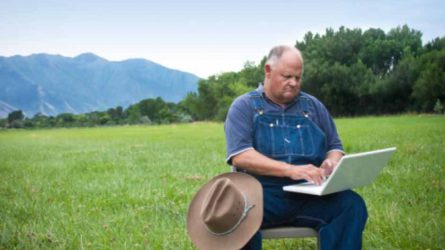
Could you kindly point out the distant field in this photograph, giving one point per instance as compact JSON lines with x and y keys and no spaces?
{"x":130,"y":187}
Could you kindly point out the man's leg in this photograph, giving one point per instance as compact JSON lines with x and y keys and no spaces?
{"x":273,"y":208}
{"x":278,"y":210}
{"x":340,"y":219}
{"x":254,"y":243}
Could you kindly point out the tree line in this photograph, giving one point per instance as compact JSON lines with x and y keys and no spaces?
{"x":353,"y":72}
{"x":148,"y":111}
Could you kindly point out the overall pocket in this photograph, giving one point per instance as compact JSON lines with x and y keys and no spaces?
{"x":277,"y":137}
{"x":301,"y":138}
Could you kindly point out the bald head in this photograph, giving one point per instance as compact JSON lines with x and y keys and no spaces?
{"x":277,"y":51}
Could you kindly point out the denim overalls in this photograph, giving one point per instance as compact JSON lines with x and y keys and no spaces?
{"x":295,"y":139}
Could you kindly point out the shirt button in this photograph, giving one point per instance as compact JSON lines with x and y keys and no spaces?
{"x":298,"y":126}
{"x":271,"y":125}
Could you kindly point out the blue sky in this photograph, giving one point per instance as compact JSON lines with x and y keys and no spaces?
{"x":197,"y":36}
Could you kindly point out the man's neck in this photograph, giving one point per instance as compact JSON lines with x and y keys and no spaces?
{"x":282,"y":105}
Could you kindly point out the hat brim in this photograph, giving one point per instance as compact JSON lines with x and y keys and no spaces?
{"x":197,"y":230}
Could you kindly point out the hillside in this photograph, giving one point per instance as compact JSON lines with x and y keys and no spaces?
{"x":53,"y":84}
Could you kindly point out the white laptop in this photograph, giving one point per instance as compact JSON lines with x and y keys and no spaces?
{"x":353,"y":170}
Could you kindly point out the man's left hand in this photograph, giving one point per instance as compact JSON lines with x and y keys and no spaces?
{"x":328,"y":165}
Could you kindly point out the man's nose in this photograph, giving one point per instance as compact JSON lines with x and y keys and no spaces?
{"x":293,"y":82}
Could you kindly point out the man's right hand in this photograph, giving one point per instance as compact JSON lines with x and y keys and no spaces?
{"x":308,"y":172}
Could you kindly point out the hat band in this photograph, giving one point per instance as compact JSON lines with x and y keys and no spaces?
{"x":246,"y":210}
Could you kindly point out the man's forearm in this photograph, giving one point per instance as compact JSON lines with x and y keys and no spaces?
{"x":255,"y":162}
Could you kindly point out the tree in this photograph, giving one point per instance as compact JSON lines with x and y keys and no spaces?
{"x":104,"y":118}
{"x":438,"y":107}
{"x":430,"y":85}
{"x":406,"y":39}
{"x":216,"y":93}
{"x":133,"y":115}
{"x":191,"y":105}
{"x":377,"y":51}
{"x":156,"y":109}
{"x":16,"y":115}
{"x":116,"y":114}
{"x":16,"y":119}
{"x":65,"y":120}
{"x":394,"y":91}
{"x":93,"y":118}
{"x":3,"y":123}
{"x":353,"y":72}
{"x":40,"y":120}
{"x":368,"y":72}
{"x":251,"y":75}
{"x":436,"y":44}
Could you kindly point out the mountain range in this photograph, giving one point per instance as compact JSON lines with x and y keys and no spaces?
{"x":53,"y":84}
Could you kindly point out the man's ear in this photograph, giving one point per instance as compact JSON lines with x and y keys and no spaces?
{"x":267,"y":70}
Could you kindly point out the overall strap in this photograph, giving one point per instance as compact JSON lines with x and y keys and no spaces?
{"x":257,"y":102}
{"x":304,"y":102}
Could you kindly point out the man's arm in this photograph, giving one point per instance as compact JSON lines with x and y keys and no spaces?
{"x":255,"y":162}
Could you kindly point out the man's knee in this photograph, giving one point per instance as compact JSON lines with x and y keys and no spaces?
{"x":355,"y":204}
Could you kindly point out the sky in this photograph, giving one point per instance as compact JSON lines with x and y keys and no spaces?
{"x":203,"y":37}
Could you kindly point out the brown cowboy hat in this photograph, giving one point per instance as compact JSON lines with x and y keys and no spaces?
{"x":226,"y":212}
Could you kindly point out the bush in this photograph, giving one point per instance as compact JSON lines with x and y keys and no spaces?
{"x":438,"y":107}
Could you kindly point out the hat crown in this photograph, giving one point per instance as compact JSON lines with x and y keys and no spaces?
{"x":223,"y":206}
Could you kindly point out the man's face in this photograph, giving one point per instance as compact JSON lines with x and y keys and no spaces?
{"x":283,"y":79}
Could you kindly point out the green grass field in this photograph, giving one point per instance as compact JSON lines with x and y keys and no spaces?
{"x":129,"y":187}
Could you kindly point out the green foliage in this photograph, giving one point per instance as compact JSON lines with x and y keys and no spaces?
{"x":148,"y":111}
{"x":216,"y":93}
{"x":65,"y":120}
{"x":394,"y":91}
{"x":129,"y":187}
{"x":16,"y":115}
{"x":251,"y":75}
{"x":438,"y":107}
{"x":3,"y":123}
{"x":359,"y":73}
{"x":436,"y":44}
{"x":192,"y":104}
{"x":134,"y":114}
{"x":15,"y":119}
{"x":41,"y":121}
{"x":430,"y":84}
{"x":353,"y":72}
{"x":117,"y":114}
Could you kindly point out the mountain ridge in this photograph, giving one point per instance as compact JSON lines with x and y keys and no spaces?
{"x":52,"y":84}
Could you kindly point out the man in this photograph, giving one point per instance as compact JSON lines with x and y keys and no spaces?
{"x":281,"y":135}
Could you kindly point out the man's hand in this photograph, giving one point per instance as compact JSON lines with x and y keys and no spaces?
{"x":328,"y":165}
{"x":255,"y":162}
{"x":308,"y":172}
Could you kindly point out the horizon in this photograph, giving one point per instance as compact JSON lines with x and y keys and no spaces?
{"x":199,"y":37}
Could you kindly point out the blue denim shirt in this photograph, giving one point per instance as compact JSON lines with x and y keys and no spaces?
{"x":239,"y":125}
